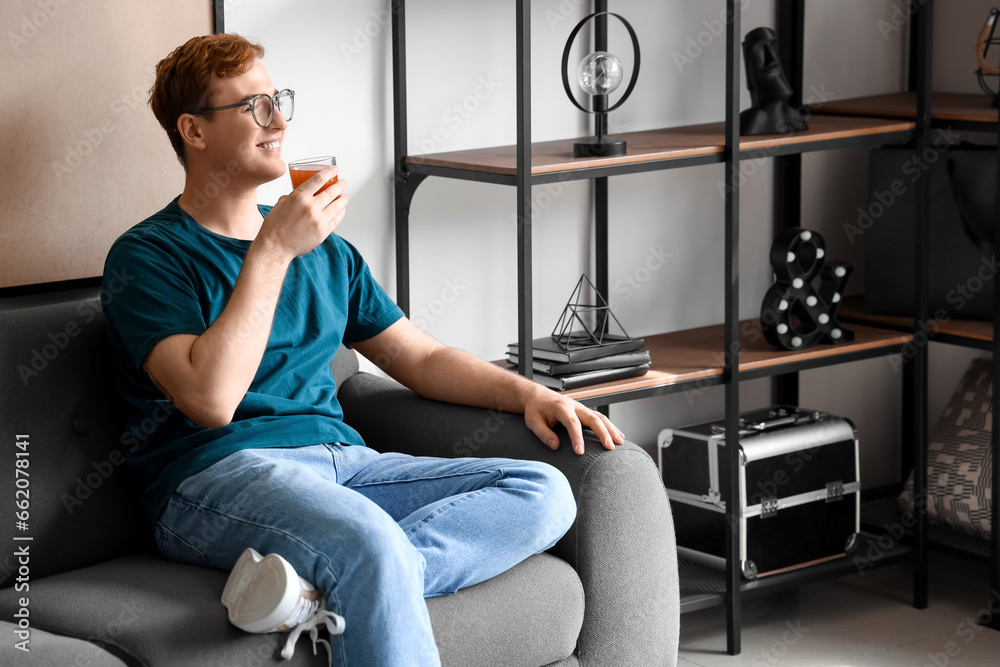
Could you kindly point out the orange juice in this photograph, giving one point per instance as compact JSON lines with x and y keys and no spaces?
{"x":302,"y":173}
{"x":303,"y":170}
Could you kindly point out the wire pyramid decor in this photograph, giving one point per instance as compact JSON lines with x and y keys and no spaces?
{"x":582,"y":325}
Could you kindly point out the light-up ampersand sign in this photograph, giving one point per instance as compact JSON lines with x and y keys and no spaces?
{"x":795,"y":314}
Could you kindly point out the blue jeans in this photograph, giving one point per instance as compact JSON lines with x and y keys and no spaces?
{"x":377,"y":533}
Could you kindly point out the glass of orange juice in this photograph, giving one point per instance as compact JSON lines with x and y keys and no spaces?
{"x":303,"y":170}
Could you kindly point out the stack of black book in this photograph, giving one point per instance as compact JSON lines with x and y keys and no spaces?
{"x":616,"y":358}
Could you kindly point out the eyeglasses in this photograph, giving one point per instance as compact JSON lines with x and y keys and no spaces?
{"x":262,"y":106}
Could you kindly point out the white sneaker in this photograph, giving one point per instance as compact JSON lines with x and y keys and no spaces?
{"x":265,"y":594}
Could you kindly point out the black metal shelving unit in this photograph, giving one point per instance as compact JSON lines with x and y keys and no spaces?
{"x":788,"y":182}
{"x":963,"y":113}
{"x":525,"y":165}
{"x":941,"y":538}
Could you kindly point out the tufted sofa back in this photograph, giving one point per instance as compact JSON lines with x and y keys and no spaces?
{"x":61,"y":419}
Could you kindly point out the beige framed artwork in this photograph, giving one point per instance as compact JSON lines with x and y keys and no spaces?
{"x":86,"y":160}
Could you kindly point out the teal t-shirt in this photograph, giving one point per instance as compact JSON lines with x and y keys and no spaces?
{"x":169,"y":275}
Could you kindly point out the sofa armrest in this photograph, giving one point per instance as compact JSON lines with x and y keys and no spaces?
{"x":622,"y":543}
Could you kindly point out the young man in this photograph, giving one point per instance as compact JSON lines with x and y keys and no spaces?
{"x":223,"y":341}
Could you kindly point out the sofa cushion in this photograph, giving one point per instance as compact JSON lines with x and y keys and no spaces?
{"x":154,"y":611}
{"x":169,"y":614}
{"x":46,"y":649}
{"x":528,"y":616}
{"x":59,"y":392}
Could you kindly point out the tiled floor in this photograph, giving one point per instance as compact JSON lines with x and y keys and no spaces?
{"x":857,"y":621}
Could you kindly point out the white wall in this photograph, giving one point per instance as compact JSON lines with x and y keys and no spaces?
{"x":336,"y":55}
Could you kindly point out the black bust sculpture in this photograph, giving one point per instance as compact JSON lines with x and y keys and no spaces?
{"x":769,"y":111}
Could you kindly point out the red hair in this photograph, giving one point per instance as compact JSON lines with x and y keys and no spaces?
{"x":183,"y":77}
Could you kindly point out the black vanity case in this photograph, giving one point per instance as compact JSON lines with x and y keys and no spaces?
{"x":799,"y":489}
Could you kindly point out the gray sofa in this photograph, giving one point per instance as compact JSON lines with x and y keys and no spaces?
{"x":91,"y":589}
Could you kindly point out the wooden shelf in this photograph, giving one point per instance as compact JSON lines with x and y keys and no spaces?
{"x":853,"y":310}
{"x":655,"y":146}
{"x":694,"y":357}
{"x":944,"y":106}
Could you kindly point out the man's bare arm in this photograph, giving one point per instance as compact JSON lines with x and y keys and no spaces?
{"x":443,"y":373}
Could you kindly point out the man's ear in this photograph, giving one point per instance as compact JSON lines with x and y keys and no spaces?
{"x":189,"y":126}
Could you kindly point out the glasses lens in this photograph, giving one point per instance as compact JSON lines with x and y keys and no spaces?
{"x":263,"y":111}
{"x":286,"y":103}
